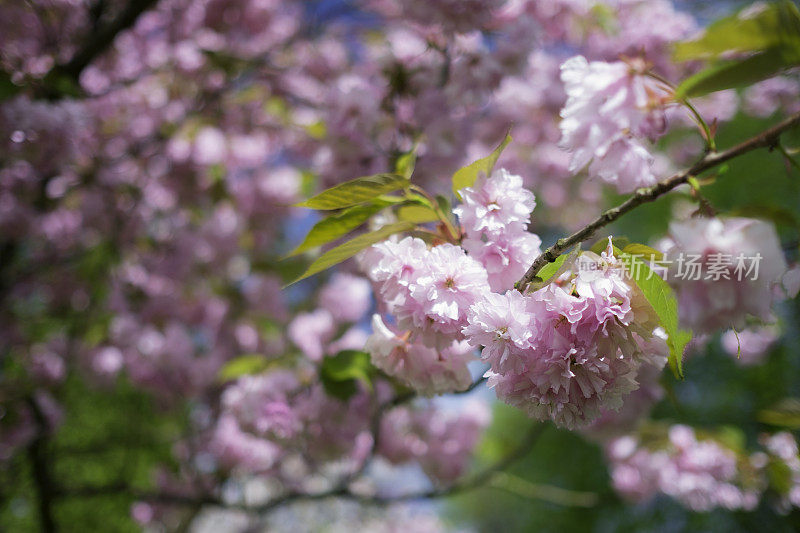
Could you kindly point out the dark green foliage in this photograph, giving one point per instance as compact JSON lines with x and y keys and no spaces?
{"x":110,"y":437}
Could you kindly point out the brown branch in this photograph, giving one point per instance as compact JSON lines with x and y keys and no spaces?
{"x":766,"y":139}
{"x":101,"y":39}
{"x":40,"y":467}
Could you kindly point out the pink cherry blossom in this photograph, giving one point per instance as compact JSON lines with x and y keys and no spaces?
{"x":426,"y":370}
{"x":494,"y":204}
{"x":610,"y":108}
{"x":701,"y":474}
{"x":738,"y":247}
{"x":442,"y":442}
{"x":346,"y":297}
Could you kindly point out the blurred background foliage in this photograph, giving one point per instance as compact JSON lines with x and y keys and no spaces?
{"x":118,"y":435}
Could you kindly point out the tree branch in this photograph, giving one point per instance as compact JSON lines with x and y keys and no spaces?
{"x":465,"y":485}
{"x":101,"y":39}
{"x":766,"y":139}
{"x":41,"y":469}
{"x":483,"y":477}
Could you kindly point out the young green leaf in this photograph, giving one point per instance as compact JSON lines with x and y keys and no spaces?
{"x":735,"y":74}
{"x":356,"y":191}
{"x":550,"y":269}
{"x":773,"y":25}
{"x":662,"y":299}
{"x":243,"y":365}
{"x":643,"y":251}
{"x":780,"y":476}
{"x":337,"y":225}
{"x":466,"y":176}
{"x":770,"y":36}
{"x":785,"y":413}
{"x":602,"y":244}
{"x":340,"y":373}
{"x":417,"y":213}
{"x":350,"y":248}
{"x":444,"y":204}
{"x":406,"y":162}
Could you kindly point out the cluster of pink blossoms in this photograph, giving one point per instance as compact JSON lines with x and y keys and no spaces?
{"x":710,"y":300}
{"x":440,"y":441}
{"x":427,"y":370}
{"x":571,"y":350}
{"x":495,"y":217}
{"x":429,"y":291}
{"x":637,"y":406}
{"x":703,"y":473}
{"x":566,"y":352}
{"x":610,"y":109}
{"x":268,"y":418}
{"x":782,"y":451}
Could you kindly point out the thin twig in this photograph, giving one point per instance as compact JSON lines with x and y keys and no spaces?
{"x":766,"y":139}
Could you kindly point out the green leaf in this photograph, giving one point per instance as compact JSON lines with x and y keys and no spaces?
{"x":356,"y":191}
{"x":775,"y":25}
{"x":406,"y":162}
{"x":341,"y":373}
{"x":550,"y":269}
{"x":647,"y":253}
{"x":780,"y":476}
{"x":350,"y":248}
{"x":775,"y":214}
{"x":317,"y":130}
{"x":337,"y":225}
{"x":732,"y":437}
{"x":444,"y":204}
{"x":468,"y":175}
{"x":785,"y":413}
{"x":417,"y":213}
{"x":662,"y":299}
{"x":770,"y":37}
{"x":602,"y":244}
{"x":735,"y":74}
{"x":242,"y":366}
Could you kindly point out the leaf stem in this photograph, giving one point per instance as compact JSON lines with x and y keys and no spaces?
{"x":455,"y":235}
{"x":709,"y":136}
{"x":788,"y":156}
